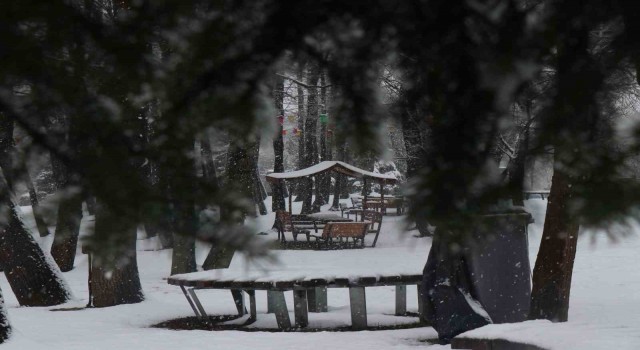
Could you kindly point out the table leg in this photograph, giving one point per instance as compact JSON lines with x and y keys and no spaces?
{"x":271,"y":301}
{"x":420,"y":301}
{"x":192,"y":292}
{"x":300,"y":307}
{"x":238,"y":299}
{"x":401,"y":300}
{"x":193,"y":306}
{"x":282,"y":313}
{"x":358,"y":301}
{"x":317,"y":299}
{"x":252,"y":304}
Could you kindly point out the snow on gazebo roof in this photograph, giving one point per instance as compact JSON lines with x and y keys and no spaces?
{"x":337,"y":166}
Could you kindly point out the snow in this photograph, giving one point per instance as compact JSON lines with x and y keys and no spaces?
{"x":323,"y":166}
{"x":604,"y":311}
{"x":128,"y":326}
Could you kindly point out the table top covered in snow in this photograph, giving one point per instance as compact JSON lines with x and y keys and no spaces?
{"x":286,"y":279}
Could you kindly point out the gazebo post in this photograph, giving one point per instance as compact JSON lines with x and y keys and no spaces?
{"x":364,"y":200}
{"x":290,"y":194}
{"x":383,"y":208}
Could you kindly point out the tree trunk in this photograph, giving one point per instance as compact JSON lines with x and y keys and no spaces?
{"x":298,"y":185}
{"x":340,"y":179}
{"x":43,"y":230}
{"x":554,"y":264}
{"x":277,"y":189}
{"x":240,"y":180}
{"x":18,"y":173}
{"x":5,"y":328}
{"x":259,"y":193}
{"x":325,"y":147}
{"x":33,"y":276}
{"x":65,"y":242}
{"x":310,"y":140}
{"x":115,"y":279}
{"x":415,"y":134}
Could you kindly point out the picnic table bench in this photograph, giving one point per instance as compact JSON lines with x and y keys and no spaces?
{"x":303,"y":223}
{"x":309,"y":294}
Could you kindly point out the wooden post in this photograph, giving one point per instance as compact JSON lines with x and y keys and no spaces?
{"x":358,"y":304}
{"x":364,"y":200}
{"x":383,"y":208}
{"x":290,"y":194}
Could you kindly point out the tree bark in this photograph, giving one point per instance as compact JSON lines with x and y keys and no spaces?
{"x":33,"y":276}
{"x":240,"y":180}
{"x":115,"y":279}
{"x":554,"y":264}
{"x":277,"y":189}
{"x":311,"y":147}
{"x":324,"y":186}
{"x":43,"y":230}
{"x":415,"y":133}
{"x":65,"y":242}
{"x":5,"y":328}
{"x":297,"y":185}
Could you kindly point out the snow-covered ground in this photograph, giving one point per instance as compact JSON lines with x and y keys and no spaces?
{"x":604,"y":314}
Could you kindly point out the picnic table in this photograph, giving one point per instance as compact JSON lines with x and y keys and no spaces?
{"x":327,"y":217}
{"x":309,"y":293}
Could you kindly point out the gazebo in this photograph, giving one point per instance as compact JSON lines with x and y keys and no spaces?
{"x":335,"y":166}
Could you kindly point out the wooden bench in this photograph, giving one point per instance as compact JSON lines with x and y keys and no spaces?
{"x":309,"y":294}
{"x":343,"y":230}
{"x":285,"y":223}
{"x":375,"y":218}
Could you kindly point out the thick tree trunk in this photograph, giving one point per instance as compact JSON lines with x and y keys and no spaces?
{"x":277,"y":189}
{"x":65,"y":243}
{"x":554,"y":264}
{"x":311,"y":146}
{"x":415,"y":134}
{"x":259,"y":193}
{"x":115,"y":279}
{"x":324,"y":180}
{"x":239,"y":180}
{"x":43,"y":230}
{"x":18,"y":173}
{"x":33,"y":276}
{"x":298,"y":185}
{"x":5,"y":328}
{"x":340,"y":179}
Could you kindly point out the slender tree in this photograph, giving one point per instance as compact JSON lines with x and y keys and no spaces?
{"x":311,"y":140}
{"x":278,"y":190}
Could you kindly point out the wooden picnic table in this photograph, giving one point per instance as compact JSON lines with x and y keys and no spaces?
{"x":328,"y":217}
{"x":309,"y":293}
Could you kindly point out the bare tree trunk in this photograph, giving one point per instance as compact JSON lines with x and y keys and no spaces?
{"x":240,"y":180}
{"x":324,"y":180}
{"x":43,"y":230}
{"x":340,"y":179}
{"x":115,"y":279}
{"x":33,"y":276}
{"x":277,"y":189}
{"x":183,"y":259}
{"x":5,"y":328}
{"x":297,"y":185}
{"x":415,"y":134}
{"x":311,"y":147}
{"x":554,"y":264}
{"x":65,"y":243}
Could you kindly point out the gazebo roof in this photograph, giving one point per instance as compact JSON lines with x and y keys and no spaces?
{"x":326,"y":166}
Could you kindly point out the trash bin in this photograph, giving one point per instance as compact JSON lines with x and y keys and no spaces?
{"x":485,"y":280}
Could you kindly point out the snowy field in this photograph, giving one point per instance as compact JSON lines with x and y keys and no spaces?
{"x":604,"y":314}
